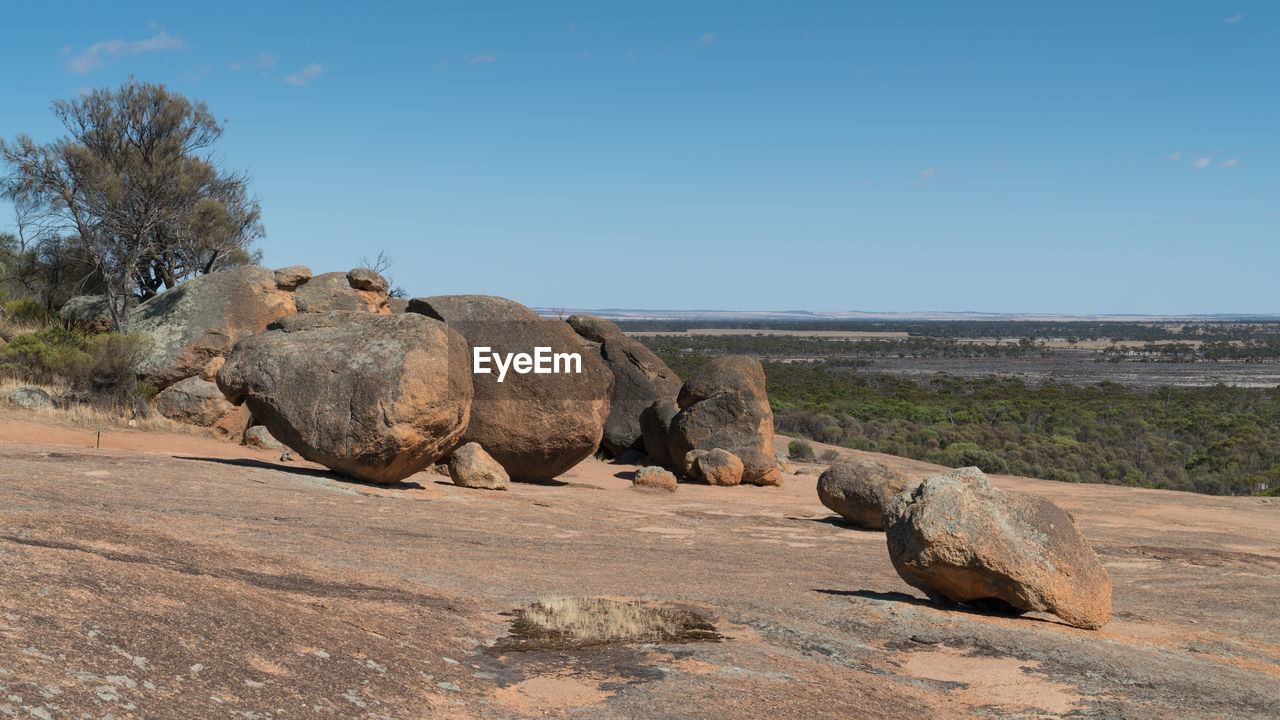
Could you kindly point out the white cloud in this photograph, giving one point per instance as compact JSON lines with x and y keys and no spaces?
{"x":1175,"y":156}
{"x":1201,"y":163}
{"x":235,"y":66}
{"x":708,"y":38}
{"x":1234,"y":18}
{"x":266,"y":60}
{"x":442,"y":65}
{"x":100,"y":53}
{"x":485,"y":58}
{"x":305,"y":75}
{"x":928,"y":174}
{"x":1229,"y":162}
{"x":630,"y":52}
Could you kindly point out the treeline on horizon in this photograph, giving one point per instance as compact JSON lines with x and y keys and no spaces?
{"x":1214,"y":440}
{"x":848,"y":350}
{"x":1221,"y":331}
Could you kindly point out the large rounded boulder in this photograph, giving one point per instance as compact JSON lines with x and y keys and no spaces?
{"x":202,"y":318}
{"x":535,"y":424}
{"x":962,"y":541}
{"x":640,"y":379}
{"x":358,"y":290}
{"x":858,"y":490}
{"x":724,"y":405}
{"x":375,"y":397}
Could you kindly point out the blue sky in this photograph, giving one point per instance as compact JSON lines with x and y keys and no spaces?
{"x":1073,"y":157}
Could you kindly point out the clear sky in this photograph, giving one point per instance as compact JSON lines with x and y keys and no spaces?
{"x":1074,"y":157}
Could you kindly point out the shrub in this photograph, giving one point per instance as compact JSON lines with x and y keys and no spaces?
{"x":49,"y":355}
{"x":800,"y":450}
{"x":26,"y":311}
{"x":829,"y":455}
{"x":103,"y":365}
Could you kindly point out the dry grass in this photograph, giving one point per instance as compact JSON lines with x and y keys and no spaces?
{"x":587,"y":621}
{"x":92,"y":415}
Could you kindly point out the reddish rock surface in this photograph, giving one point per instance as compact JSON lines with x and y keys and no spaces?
{"x":171,"y":577}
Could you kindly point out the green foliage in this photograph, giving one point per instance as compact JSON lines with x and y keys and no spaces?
{"x":26,"y":311}
{"x":49,"y":355}
{"x":104,"y":365}
{"x":1217,"y":440}
{"x":800,"y":450}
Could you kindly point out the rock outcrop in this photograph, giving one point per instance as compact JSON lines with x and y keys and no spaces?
{"x":858,"y":490}
{"x":470,"y":466}
{"x":375,"y":397}
{"x":202,"y":318}
{"x":358,"y":290}
{"x":640,"y":379}
{"x":962,"y":541}
{"x":724,"y":405}
{"x":536,"y":425}
{"x":194,"y":401}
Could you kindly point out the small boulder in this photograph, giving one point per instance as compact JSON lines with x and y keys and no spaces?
{"x":962,"y":541}
{"x":202,"y":318}
{"x":359,"y":290}
{"x":194,"y":401}
{"x":375,"y":397}
{"x":472,"y":467}
{"x":31,"y":398}
{"x":724,"y":405}
{"x":536,"y":425}
{"x":594,"y":328}
{"x":289,"y":278}
{"x":784,"y":462}
{"x":90,"y":313}
{"x":718,"y":467}
{"x":260,"y":437}
{"x":232,"y":426}
{"x":655,"y":477}
{"x":858,"y":490}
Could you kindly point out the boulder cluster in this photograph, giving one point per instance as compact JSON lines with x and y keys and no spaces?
{"x":379,"y":388}
{"x":716,"y":427}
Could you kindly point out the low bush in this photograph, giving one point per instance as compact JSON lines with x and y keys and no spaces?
{"x":800,"y":450}
{"x":103,"y":365}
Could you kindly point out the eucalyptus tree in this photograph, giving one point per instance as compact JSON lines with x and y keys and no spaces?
{"x":136,"y":187}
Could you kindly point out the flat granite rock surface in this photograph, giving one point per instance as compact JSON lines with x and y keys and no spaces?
{"x":175,"y":576}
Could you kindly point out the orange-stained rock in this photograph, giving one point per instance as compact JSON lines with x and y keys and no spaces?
{"x":202,"y":318}
{"x":859,"y":489}
{"x":375,"y":397}
{"x":535,"y":425}
{"x":232,"y":426}
{"x":360,"y":289}
{"x":961,"y":540}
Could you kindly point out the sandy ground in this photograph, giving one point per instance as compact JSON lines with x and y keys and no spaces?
{"x":175,"y":576}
